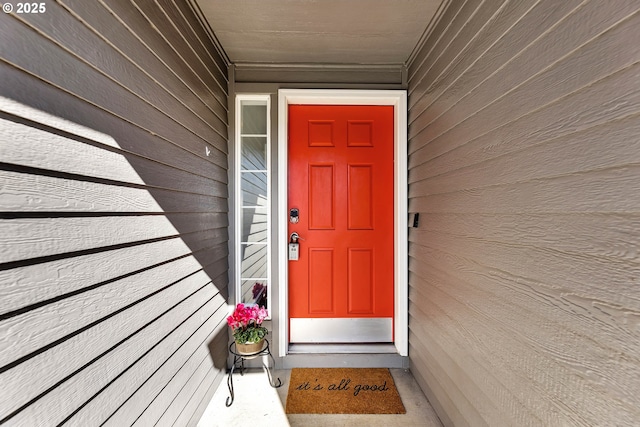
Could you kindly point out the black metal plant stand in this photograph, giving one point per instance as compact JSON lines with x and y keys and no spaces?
{"x":238,"y":361}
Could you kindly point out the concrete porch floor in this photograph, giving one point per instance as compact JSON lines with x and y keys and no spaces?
{"x":257,"y":404}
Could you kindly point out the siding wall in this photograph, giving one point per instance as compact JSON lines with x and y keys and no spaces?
{"x":525,"y":166}
{"x":113,"y":214}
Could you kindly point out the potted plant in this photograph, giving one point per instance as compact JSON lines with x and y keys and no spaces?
{"x":246,"y":324}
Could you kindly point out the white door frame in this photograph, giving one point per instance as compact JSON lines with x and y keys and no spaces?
{"x":397,"y":98}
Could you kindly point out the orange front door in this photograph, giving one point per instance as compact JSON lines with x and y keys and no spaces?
{"x":341,"y":180}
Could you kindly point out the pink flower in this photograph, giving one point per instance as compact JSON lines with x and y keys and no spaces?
{"x":261,"y":314}
{"x":233,"y":324}
{"x":243,"y":316}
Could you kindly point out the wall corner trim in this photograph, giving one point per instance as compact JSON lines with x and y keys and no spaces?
{"x":212,"y":35}
{"x":427,"y":32}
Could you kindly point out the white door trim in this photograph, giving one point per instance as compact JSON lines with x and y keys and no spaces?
{"x":397,"y":98}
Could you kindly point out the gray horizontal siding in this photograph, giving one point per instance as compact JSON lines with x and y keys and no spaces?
{"x":524,"y":161}
{"x":113,"y":215}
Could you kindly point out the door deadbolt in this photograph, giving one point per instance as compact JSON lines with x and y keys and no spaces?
{"x":294,"y":215}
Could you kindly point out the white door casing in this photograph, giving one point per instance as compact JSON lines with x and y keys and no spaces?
{"x":398,"y":99}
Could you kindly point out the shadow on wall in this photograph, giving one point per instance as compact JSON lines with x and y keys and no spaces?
{"x":218,"y":345}
{"x":102,"y":214}
{"x":113,"y":214}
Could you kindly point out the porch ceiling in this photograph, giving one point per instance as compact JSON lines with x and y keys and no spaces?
{"x":318,"y":31}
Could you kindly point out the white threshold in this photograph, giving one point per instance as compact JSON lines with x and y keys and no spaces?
{"x":373,"y":348}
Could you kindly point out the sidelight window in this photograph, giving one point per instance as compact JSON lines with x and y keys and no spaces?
{"x":253,"y":200}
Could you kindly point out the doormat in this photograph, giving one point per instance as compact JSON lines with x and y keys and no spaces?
{"x":343,"y":391}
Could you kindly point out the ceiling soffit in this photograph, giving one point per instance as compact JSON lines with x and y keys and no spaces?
{"x":314,"y":32}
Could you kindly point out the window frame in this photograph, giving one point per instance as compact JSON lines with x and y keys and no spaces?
{"x":240,"y":208}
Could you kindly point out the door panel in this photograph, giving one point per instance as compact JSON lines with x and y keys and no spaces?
{"x":321,"y":281}
{"x":321,"y":197}
{"x":360,"y":197}
{"x":361,"y":283}
{"x":341,"y":180}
